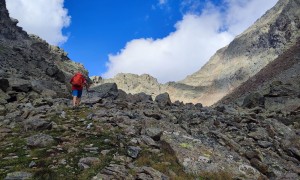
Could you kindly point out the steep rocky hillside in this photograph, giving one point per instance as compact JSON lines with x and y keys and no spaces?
{"x":114,"y":135}
{"x":277,"y":84}
{"x":246,"y":55}
{"x":30,"y":68}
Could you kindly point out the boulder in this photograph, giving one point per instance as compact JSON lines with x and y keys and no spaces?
{"x":85,"y":163}
{"x":133,"y":151}
{"x":51,"y":71}
{"x":42,"y":102}
{"x":163,"y":99}
{"x":254,"y":100}
{"x":108,"y":90}
{"x":40,"y":140}
{"x":113,"y":171}
{"x":36,"y":124}
{"x":140,"y":97}
{"x":20,"y":85}
{"x":18,"y":176}
{"x":150,"y":173}
{"x":4,"y":84}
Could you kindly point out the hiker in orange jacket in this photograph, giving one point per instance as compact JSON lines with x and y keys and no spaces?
{"x":78,"y":81}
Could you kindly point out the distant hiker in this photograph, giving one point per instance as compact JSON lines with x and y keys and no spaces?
{"x":78,"y":81}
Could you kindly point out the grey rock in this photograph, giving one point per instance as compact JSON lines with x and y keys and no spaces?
{"x":89,"y":160}
{"x":253,"y":100}
{"x":264,"y":144}
{"x":3,"y":97}
{"x":263,"y":168}
{"x":4,"y":84}
{"x":154,"y":133}
{"x":114,"y":171}
{"x":2,"y":110}
{"x":42,"y":102}
{"x":32,"y":164}
{"x":37,"y":124}
{"x":108,"y":90}
{"x":259,"y":134}
{"x":40,"y":140}
{"x":133,"y":151}
{"x":18,"y":176}
{"x":153,"y":114}
{"x":149,"y":141}
{"x":20,"y":85}
{"x":163,"y":99}
{"x":147,"y":173}
{"x":139,"y":97}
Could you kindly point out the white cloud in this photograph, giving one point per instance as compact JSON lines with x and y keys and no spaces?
{"x":196,"y":39}
{"x":43,"y":18}
{"x":241,"y":14}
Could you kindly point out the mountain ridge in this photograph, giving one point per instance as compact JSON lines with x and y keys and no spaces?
{"x":261,"y":43}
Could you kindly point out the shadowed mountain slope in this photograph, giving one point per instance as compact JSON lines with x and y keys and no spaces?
{"x":29,"y":67}
{"x":279,"y":79}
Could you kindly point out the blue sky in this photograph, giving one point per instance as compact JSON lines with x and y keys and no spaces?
{"x":168,"y":39}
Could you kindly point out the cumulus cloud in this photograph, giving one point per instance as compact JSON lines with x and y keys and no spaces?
{"x":43,"y":18}
{"x":241,"y":14}
{"x":196,"y":38}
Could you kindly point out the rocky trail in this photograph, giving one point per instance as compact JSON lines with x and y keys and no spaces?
{"x":114,"y":135}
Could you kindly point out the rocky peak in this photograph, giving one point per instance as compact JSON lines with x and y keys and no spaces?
{"x":132,"y":83}
{"x":8,"y":27}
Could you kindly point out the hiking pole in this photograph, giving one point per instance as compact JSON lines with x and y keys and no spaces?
{"x":89,"y":97}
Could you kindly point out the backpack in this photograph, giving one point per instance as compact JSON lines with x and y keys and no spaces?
{"x":77,"y":80}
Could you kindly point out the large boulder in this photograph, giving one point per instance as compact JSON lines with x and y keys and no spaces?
{"x":163,"y":99}
{"x":108,"y":90}
{"x":19,"y":175}
{"x":40,"y":140}
{"x":140,"y":97}
{"x":254,"y":100}
{"x":20,"y":85}
{"x":4,"y":84}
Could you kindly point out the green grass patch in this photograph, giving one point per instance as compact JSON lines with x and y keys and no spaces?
{"x":164,"y":163}
{"x":221,"y":175}
{"x":8,"y":151}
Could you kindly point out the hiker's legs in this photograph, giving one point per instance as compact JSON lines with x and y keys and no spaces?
{"x":75,"y":97}
{"x":78,"y":97}
{"x":78,"y":101}
{"x":74,"y":101}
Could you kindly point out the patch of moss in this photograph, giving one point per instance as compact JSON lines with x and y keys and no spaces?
{"x":166,"y":164}
{"x":45,"y":174}
{"x":220,"y":175}
{"x":186,"y":145}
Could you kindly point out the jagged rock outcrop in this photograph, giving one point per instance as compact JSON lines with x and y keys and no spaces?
{"x":132,"y":83}
{"x":29,"y":67}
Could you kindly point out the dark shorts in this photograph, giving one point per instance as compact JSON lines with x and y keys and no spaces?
{"x":77,"y":93}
